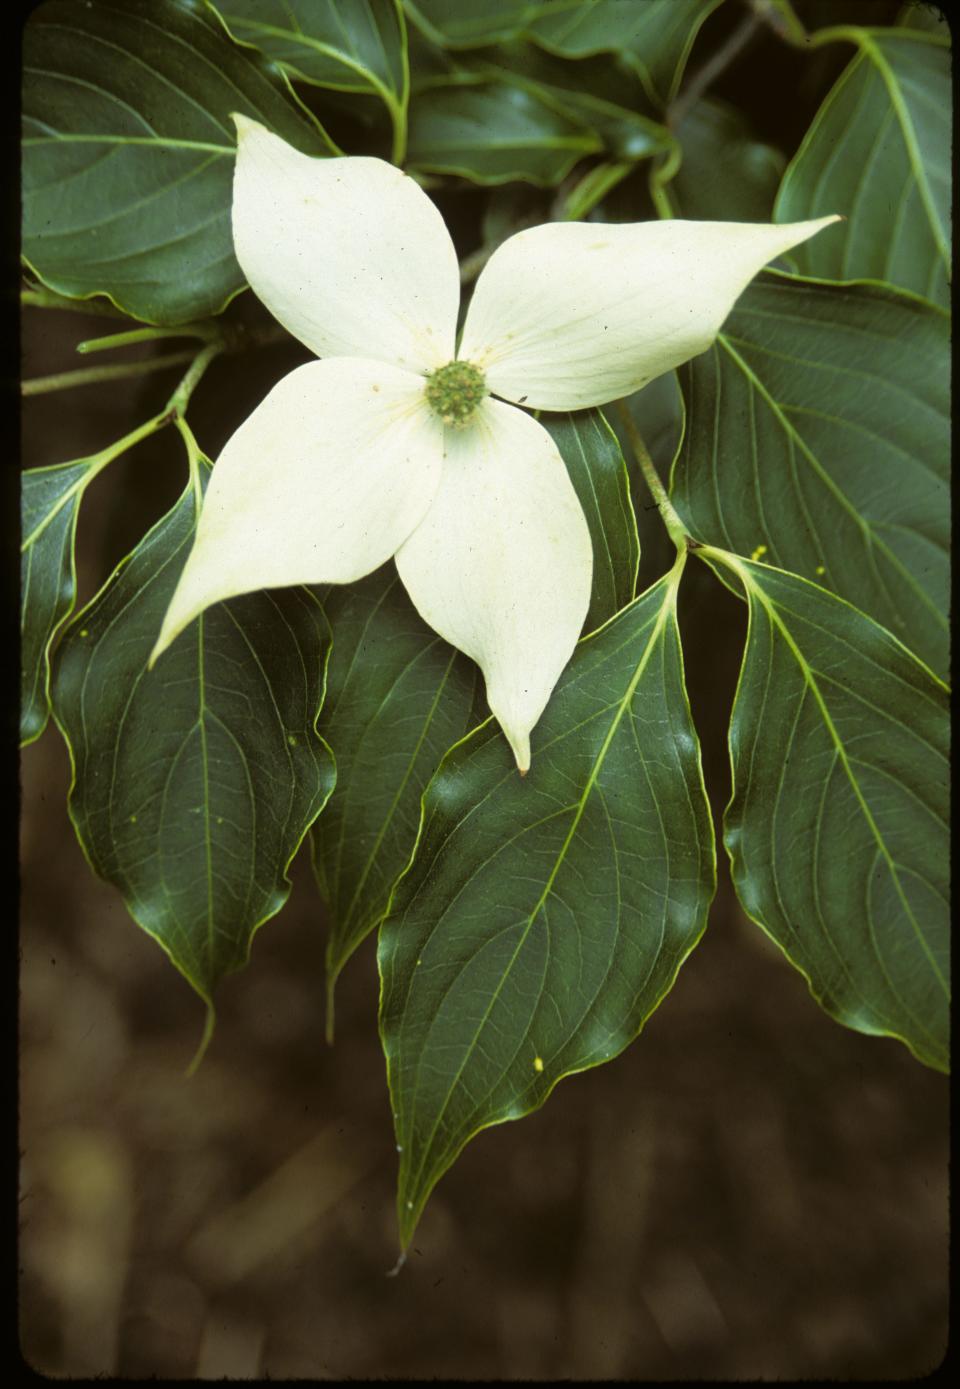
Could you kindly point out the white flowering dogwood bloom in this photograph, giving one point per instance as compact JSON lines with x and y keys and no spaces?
{"x":397,"y":443}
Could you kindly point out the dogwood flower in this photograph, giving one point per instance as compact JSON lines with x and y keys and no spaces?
{"x":397,"y":444}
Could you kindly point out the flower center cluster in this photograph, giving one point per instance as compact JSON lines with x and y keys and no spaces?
{"x":454,"y":392}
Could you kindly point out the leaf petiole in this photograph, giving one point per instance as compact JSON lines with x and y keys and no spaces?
{"x":205,"y":331}
{"x":671,"y":519}
{"x":174,"y":411}
{"x":180,"y":399}
{"x":96,"y":462}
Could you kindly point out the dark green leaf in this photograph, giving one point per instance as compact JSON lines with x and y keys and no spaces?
{"x":451,"y":23}
{"x":348,"y":45}
{"x":194,"y":783}
{"x":879,"y":152}
{"x":593,"y":92}
{"x":837,"y":829}
{"x":397,"y":698}
{"x":50,"y":500}
{"x":129,"y":152}
{"x":725,"y":174}
{"x":543,"y":918}
{"x":492,"y":133}
{"x":818,"y":436}
{"x":653,"y":38}
{"x":592,"y":454}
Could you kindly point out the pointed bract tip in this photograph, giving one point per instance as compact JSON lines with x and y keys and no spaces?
{"x":245,"y":126}
{"x":520,"y":747}
{"x":160,"y":646}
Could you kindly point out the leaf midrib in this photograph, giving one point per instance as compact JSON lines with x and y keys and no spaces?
{"x":871,"y":538}
{"x":658,"y":622}
{"x":772,"y":609}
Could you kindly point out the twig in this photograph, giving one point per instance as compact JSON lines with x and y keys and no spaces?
{"x":88,"y":376}
{"x":705,"y":76}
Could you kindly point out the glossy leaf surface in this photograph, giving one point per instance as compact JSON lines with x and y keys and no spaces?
{"x":347,"y":45}
{"x":653,"y":38}
{"x":397,"y":698}
{"x":879,"y":152}
{"x":817,"y":439}
{"x":837,"y":829}
{"x":599,"y":474}
{"x":194,"y":783}
{"x":129,"y":152}
{"x":493,"y":132}
{"x":595,"y":93}
{"x":452,"y":23}
{"x":543,"y":918}
{"x":725,"y":174}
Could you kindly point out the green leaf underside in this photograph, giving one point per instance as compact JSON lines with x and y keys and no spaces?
{"x":397,"y":698}
{"x":129,"y":151}
{"x":879,"y":152}
{"x":726,"y":175}
{"x":50,"y":500}
{"x":543,"y":918}
{"x":652,"y":38}
{"x":837,"y":829}
{"x":596,"y":466}
{"x":348,"y":45}
{"x":818,"y":427}
{"x":492,"y":133}
{"x":925,"y":15}
{"x":194,"y":783}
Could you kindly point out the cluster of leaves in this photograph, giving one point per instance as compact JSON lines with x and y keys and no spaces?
{"x":527,"y":929}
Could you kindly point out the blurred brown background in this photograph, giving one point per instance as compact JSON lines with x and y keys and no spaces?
{"x":749,"y":1191}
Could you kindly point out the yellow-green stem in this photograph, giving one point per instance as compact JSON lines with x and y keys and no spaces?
{"x":204,"y":331}
{"x":178,"y":402}
{"x":89,"y":376}
{"x":675,"y":527}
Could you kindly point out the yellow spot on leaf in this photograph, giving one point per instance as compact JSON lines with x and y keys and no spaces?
{"x":760,"y":550}
{"x":820,"y":569}
{"x":538,"y":1063}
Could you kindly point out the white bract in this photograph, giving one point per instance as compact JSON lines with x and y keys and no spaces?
{"x":347,"y":463}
